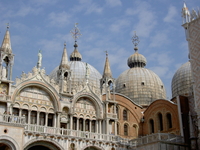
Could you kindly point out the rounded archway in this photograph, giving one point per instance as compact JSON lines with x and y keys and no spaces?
{"x":4,"y":146}
{"x":42,"y":145}
{"x":92,"y":148}
{"x":39,"y":147}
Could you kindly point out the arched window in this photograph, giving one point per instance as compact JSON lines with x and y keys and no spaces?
{"x":125,"y":117}
{"x":126,"y":129}
{"x":117,"y":112}
{"x":117,"y":128}
{"x":169,"y":121}
{"x":151,"y":124}
{"x":72,"y":146}
{"x":160,"y":122}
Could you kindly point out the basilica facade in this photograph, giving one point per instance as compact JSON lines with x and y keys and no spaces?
{"x":77,"y":108}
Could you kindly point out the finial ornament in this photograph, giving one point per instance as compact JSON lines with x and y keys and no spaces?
{"x":65,"y":44}
{"x":106,"y":53}
{"x":8,"y":26}
{"x":135,"y":40}
{"x":75,"y":32}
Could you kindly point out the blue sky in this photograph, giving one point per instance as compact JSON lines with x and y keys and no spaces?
{"x":105,"y":25}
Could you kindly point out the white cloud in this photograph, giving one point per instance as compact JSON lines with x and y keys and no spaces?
{"x":119,"y":24}
{"x":113,"y":3}
{"x":160,"y":70}
{"x":172,"y":12}
{"x":144,"y":16}
{"x":88,"y":6}
{"x":159,"y":39}
{"x":59,"y":19}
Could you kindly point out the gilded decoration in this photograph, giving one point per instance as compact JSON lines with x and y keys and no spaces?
{"x":4,"y":89}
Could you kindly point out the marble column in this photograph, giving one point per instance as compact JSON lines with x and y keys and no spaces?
{"x":54,"y":120}
{"x":29,"y":116}
{"x":38,"y":117}
{"x":83,"y":124}
{"x":96,"y":126}
{"x":100,"y":127}
{"x":115,"y":127}
{"x":46,"y":119}
{"x":77,"y":124}
{"x":71,"y":121}
{"x":90,"y":125}
{"x":58,"y":119}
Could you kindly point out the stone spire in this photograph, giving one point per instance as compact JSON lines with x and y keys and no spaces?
{"x":6,"y":44}
{"x":6,"y":57}
{"x":64,"y":60}
{"x":75,"y":55}
{"x":107,"y":71}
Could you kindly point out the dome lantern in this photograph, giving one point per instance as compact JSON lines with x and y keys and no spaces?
{"x":75,"y":55}
{"x":136,"y":60}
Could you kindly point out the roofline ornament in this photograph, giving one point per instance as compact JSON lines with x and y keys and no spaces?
{"x":75,"y":32}
{"x":135,"y":41}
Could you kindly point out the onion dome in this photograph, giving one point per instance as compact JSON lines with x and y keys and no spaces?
{"x":75,"y":55}
{"x":64,"y":60}
{"x":182,"y":81}
{"x":142,"y":85}
{"x":136,"y":60}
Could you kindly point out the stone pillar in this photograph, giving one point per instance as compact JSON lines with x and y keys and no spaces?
{"x":54,"y":120}
{"x":38,"y":117}
{"x":77,"y":124}
{"x":29,"y":116}
{"x":96,"y":126}
{"x":90,"y":125}
{"x":100,"y":127}
{"x":83,"y":124}
{"x":115,"y":127}
{"x":10,"y":75}
{"x":20,"y":112}
{"x":46,"y":119}
{"x":71,"y":121}
{"x":107,"y":126}
{"x":58,"y":119}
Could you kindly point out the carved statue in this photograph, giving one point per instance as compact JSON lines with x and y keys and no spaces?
{"x":4,"y":73}
{"x":39,"y":64}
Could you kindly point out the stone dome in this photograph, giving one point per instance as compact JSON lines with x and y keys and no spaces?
{"x":136,"y":60}
{"x":142,"y":85}
{"x":78,"y":73}
{"x":182,"y":81}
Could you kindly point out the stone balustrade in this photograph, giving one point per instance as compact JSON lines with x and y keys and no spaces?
{"x":53,"y":131}
{"x":167,"y":137}
{"x":4,"y":97}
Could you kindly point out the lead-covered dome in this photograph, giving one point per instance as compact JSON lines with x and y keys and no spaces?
{"x":78,"y":75}
{"x":142,"y":85}
{"x":182,"y":81}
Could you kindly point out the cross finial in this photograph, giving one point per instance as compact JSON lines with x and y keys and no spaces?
{"x":7,"y":25}
{"x":75,"y":32}
{"x":106,"y":53}
{"x":135,"y":40}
